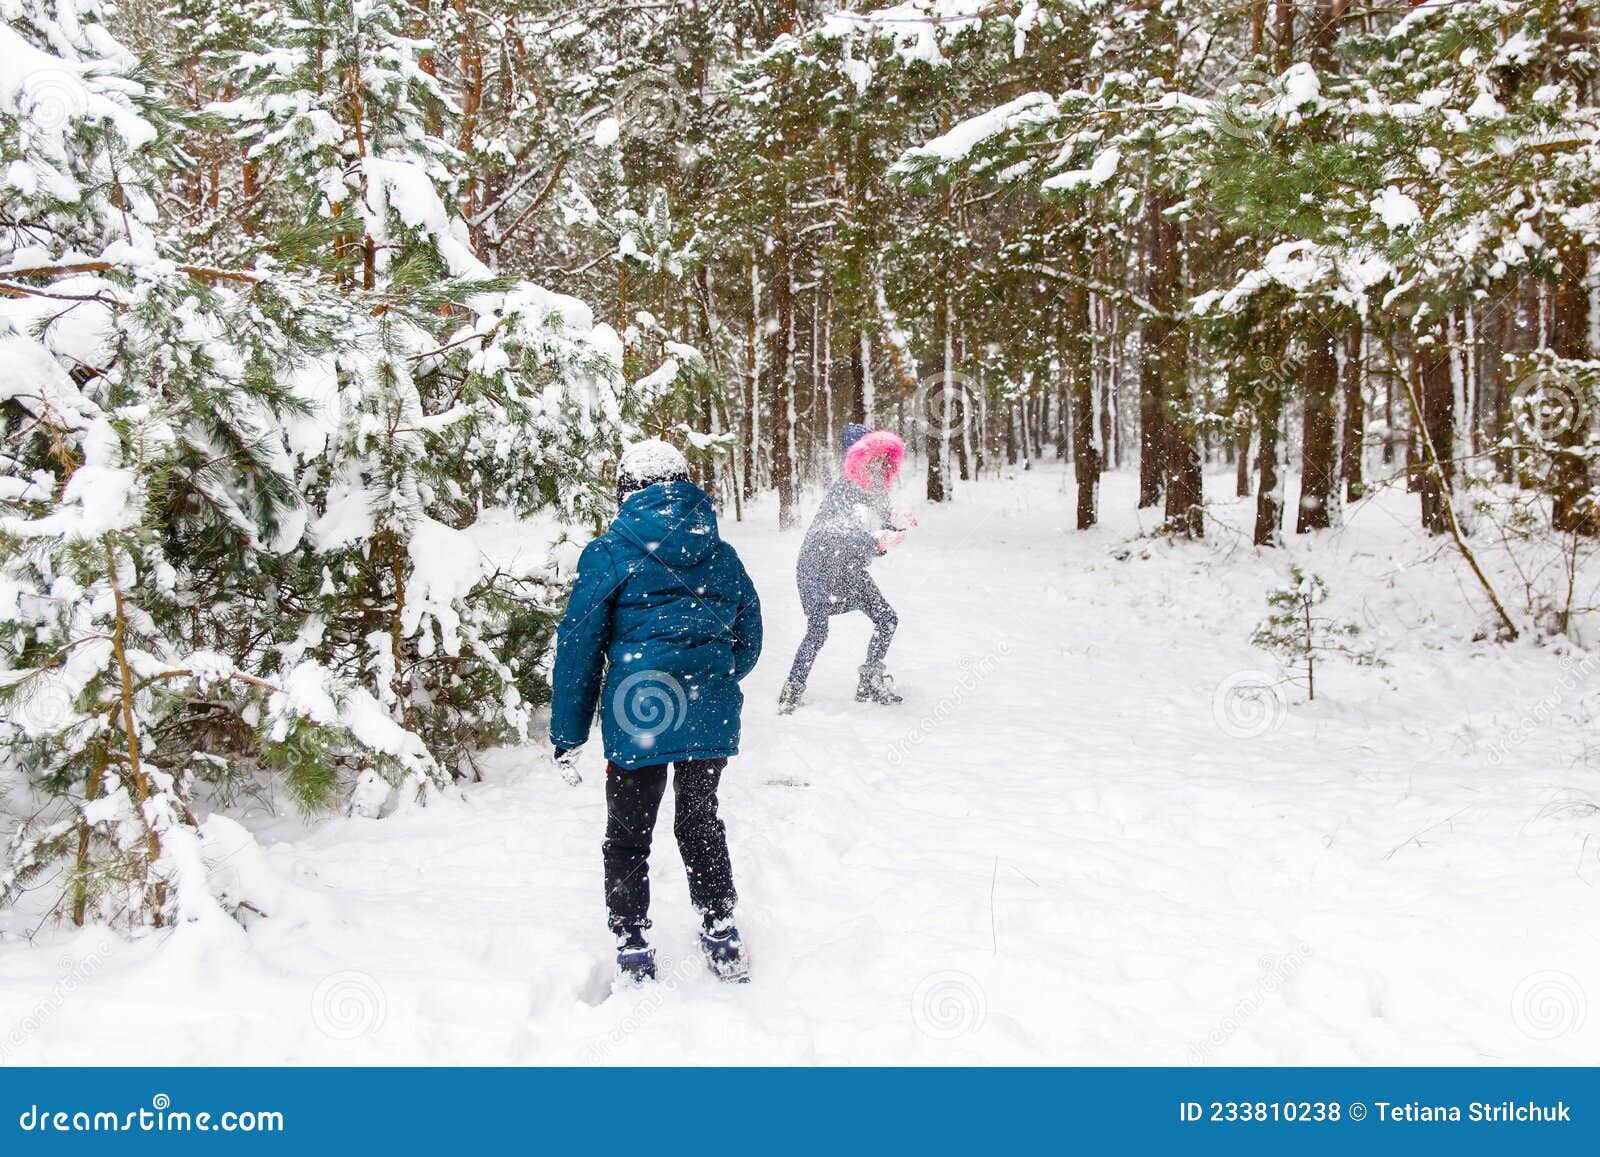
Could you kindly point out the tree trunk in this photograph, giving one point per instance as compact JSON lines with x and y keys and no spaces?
{"x":1355,"y":417}
{"x":1185,"y":511}
{"x":1241,"y":449}
{"x":858,"y":380}
{"x":1496,"y":329}
{"x":1079,"y":359}
{"x":780,"y":375}
{"x":986,"y":432}
{"x":1319,"y":461}
{"x":1319,"y":482}
{"x":1571,"y":508}
{"x":1110,"y":444}
{"x":752,"y":398}
{"x":1064,"y":436}
{"x":1388,"y":418}
{"x":959,"y":436}
{"x":1269,"y":494}
{"x":935,"y":417}
{"x":1283,"y":33}
{"x":1152,"y":424}
{"x":1437,"y":392}
{"x":829,"y":425}
{"x":1165,"y":352}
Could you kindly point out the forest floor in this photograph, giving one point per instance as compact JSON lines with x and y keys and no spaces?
{"x":1069,"y":844}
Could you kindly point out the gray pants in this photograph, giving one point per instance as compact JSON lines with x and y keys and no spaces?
{"x":862,"y":595}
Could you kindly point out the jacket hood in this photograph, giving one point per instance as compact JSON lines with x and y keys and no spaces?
{"x":879,"y":445}
{"x":671,"y":521}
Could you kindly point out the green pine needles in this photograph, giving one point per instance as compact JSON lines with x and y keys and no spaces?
{"x":1298,"y":634}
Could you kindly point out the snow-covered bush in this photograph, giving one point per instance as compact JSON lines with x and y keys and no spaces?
{"x":236,"y":502}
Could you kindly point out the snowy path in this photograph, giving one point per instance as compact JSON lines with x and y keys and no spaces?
{"x":1054,"y":851}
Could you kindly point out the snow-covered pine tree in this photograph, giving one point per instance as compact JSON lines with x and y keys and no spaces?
{"x":1120,"y":147}
{"x":1298,"y":634}
{"x":140,"y":401}
{"x":1477,"y":125}
{"x":459,"y":393}
{"x":239,"y":497}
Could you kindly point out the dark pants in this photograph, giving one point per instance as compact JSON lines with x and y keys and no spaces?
{"x":633,"y":797}
{"x":862,"y":595}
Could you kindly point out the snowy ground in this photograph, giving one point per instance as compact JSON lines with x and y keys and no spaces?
{"x":1067,"y":846}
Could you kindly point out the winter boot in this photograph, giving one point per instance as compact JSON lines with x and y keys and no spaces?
{"x":636,"y":960}
{"x":789,"y":698}
{"x":876,"y":686}
{"x":725,"y":953}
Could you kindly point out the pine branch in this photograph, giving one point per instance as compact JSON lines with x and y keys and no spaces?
{"x":198,"y":272}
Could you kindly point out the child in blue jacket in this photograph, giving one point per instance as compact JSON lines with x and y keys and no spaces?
{"x":661,"y":626}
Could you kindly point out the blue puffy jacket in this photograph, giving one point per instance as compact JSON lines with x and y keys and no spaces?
{"x":664,"y":614}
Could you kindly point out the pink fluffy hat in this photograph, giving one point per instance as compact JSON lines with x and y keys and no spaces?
{"x":878,"y":446}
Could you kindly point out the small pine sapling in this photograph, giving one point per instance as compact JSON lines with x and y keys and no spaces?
{"x":1295,"y":634}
